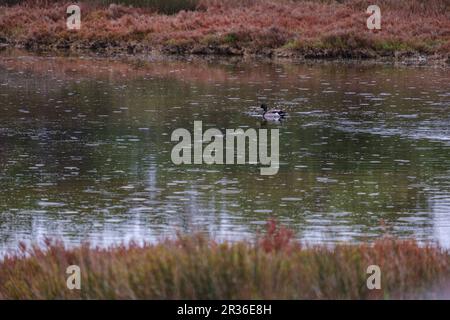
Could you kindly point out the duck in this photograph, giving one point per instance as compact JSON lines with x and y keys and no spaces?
{"x":272,"y":114}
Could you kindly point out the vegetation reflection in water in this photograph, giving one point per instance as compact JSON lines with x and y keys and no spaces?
{"x":85,"y":150}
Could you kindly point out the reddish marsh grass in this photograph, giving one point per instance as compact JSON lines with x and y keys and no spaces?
{"x":307,"y":28}
{"x":195,"y":267}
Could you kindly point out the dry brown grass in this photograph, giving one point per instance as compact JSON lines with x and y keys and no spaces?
{"x":308,"y":28}
{"x":194,"y":267}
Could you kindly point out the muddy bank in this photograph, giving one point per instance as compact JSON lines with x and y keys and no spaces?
{"x":201,"y":51}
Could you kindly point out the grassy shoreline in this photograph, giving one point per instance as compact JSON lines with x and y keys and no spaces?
{"x":411,"y":30}
{"x":194,"y":267}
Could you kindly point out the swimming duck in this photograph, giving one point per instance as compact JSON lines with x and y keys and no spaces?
{"x":272,"y":114}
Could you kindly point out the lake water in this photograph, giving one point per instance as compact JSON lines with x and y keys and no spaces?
{"x":85,"y":150}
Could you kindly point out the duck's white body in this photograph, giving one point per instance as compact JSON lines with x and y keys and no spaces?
{"x":272,"y":115}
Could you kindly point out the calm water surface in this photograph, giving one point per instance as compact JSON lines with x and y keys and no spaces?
{"x":85,"y":150}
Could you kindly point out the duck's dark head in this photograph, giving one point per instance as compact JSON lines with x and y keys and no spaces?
{"x":264,"y":107}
